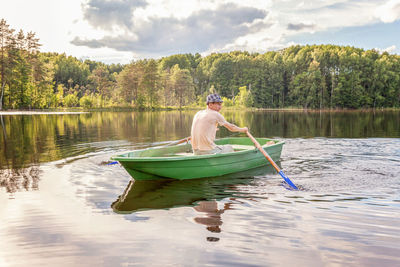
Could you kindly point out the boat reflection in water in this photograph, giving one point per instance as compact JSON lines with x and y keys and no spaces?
{"x":168,"y":193}
{"x":201,"y":194}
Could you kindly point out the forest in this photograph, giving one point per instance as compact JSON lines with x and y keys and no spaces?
{"x":307,"y":77}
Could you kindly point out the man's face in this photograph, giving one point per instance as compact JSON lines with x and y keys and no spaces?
{"x":215,"y":106}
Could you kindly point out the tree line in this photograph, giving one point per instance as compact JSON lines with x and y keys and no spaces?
{"x":311,"y":76}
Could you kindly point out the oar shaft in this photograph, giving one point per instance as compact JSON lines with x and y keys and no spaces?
{"x":187,"y":139}
{"x":263,"y":152}
{"x":271,"y":161}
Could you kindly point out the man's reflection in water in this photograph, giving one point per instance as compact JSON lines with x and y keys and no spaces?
{"x":18,"y":179}
{"x":212,"y":216}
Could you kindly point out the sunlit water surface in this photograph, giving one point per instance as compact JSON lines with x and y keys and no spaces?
{"x":71,"y":209}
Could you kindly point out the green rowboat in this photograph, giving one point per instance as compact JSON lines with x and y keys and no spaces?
{"x":178,"y":162}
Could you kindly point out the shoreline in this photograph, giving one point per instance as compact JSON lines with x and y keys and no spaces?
{"x":26,"y":112}
{"x":80,"y":111}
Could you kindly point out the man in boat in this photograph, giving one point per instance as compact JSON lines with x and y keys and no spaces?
{"x":205,"y":125}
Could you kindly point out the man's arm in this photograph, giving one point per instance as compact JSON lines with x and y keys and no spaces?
{"x":233,"y":128}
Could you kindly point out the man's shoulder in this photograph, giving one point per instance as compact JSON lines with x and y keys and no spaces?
{"x":217,"y":115}
{"x":201,"y":112}
{"x":211,"y":111}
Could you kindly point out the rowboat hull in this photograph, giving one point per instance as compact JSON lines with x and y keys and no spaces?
{"x":177,"y":162}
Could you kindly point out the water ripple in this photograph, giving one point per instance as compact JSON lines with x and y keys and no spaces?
{"x":347,"y":212}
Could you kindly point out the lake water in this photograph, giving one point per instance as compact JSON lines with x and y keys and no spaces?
{"x":61,"y":205}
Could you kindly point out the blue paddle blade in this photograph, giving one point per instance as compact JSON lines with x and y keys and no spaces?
{"x":112,"y":163}
{"x":287,"y":180}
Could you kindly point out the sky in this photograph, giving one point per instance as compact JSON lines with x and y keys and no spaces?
{"x":119,"y":31}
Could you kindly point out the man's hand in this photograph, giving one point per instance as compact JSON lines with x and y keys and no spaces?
{"x":244,"y":130}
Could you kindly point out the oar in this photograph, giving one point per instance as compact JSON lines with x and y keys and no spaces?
{"x":187,"y":139}
{"x":271,"y":161}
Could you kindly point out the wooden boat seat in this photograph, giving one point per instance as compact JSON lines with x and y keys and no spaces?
{"x":184,"y":154}
{"x":242,"y":147}
{"x":235,"y":148}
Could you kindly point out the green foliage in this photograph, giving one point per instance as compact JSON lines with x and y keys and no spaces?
{"x":70,"y":72}
{"x":60,"y":95}
{"x":227,"y":102}
{"x":71,"y":100}
{"x":201,"y":100}
{"x":86,"y":101}
{"x":181,"y":60}
{"x":182,"y":84}
{"x":221,"y":76}
{"x":130,"y":82}
{"x":212,"y":90}
{"x":311,"y":76}
{"x":151,"y":83}
{"x":244,"y":98}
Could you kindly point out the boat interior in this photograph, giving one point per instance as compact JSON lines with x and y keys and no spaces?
{"x":182,"y":150}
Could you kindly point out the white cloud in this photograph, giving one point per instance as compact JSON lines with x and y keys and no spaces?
{"x":198,"y":32}
{"x":289,"y":18}
{"x":388,"y":49}
{"x":106,"y":14}
{"x":389,"y":12}
{"x":117,"y":31}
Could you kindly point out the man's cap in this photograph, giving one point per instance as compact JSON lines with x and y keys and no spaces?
{"x":214,"y":98}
